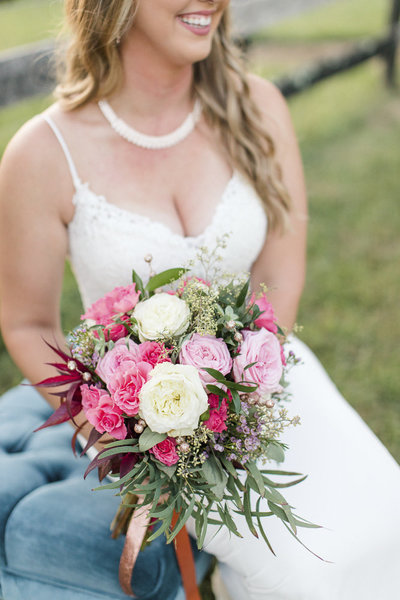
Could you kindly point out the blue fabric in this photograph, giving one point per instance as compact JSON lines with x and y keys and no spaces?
{"x":55,"y":541}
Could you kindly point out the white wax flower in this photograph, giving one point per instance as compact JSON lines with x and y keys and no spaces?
{"x":162,"y":316}
{"x":173,"y":399}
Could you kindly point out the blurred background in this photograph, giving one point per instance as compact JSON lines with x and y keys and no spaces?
{"x":348,"y":126}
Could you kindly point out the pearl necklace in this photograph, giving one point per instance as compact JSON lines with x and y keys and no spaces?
{"x":151,"y":142}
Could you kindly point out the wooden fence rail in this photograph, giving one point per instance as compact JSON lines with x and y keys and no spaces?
{"x":28,"y":70}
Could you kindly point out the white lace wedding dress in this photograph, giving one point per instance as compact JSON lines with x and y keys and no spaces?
{"x":353,"y":488}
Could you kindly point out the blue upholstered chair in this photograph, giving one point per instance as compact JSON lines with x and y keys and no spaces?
{"x":55,"y":541}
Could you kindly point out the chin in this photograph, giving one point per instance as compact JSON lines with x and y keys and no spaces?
{"x":193,"y":53}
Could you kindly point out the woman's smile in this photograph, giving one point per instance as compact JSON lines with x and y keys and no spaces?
{"x":198,"y":23}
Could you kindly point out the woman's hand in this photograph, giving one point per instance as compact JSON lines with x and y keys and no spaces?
{"x":281,"y":263}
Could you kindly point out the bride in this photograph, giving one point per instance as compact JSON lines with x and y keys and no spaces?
{"x":158,"y":144}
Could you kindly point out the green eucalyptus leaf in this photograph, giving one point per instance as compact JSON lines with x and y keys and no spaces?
{"x":261,"y":528}
{"x":170,"y":471}
{"x":257,"y":476}
{"x":138,"y":282}
{"x":164,"y":278}
{"x":150,"y":438}
{"x":241,"y":299}
{"x":183,"y":517}
{"x":247,"y":513}
{"x":236,"y":401}
{"x":275,"y":452}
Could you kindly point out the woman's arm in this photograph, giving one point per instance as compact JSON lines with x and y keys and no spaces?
{"x":35,"y":207}
{"x":281,"y":263}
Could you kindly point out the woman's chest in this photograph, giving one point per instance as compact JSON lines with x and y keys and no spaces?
{"x":107,"y":242}
{"x":180,"y":186}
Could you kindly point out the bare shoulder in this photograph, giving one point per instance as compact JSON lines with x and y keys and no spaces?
{"x":33,"y":171}
{"x":273,"y":107}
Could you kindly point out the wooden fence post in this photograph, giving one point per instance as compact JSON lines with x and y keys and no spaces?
{"x":394,"y":44}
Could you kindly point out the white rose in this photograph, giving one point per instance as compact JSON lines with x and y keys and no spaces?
{"x":162,"y":316}
{"x":173,"y":399}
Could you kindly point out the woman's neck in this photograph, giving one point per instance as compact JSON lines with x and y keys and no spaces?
{"x":153,"y":88}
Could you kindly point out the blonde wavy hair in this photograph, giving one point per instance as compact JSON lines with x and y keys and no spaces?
{"x":91,"y":69}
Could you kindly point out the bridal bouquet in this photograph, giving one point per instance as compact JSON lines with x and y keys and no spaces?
{"x":187,"y":376}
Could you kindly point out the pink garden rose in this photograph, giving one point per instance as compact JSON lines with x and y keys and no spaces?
{"x":125,"y":385}
{"x":166,"y":452}
{"x":206,"y":351}
{"x":218,"y":416}
{"x":119,"y":300}
{"x":102,"y":413}
{"x":152,"y":353}
{"x":124,"y":354}
{"x":267,"y":318}
{"x":263,"y":348}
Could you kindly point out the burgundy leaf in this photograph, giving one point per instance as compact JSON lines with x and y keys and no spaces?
{"x":62,"y":414}
{"x":96,"y":462}
{"x":104,"y":469}
{"x":73,"y":440}
{"x":128,"y":461}
{"x":94,"y":436}
{"x":73,"y":396}
{"x":58,"y":380}
{"x":65,"y":356}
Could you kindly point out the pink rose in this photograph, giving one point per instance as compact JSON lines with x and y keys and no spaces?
{"x":263,"y":348}
{"x":165,"y":452}
{"x":152,"y":353}
{"x":102,"y":413}
{"x":119,"y":300}
{"x":267,"y":318}
{"x":91,"y":396}
{"x":125,"y":385}
{"x":124,"y":353}
{"x":218,"y":416}
{"x":206,"y":351}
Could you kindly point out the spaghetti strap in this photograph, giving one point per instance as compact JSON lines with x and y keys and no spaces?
{"x":71,"y":165}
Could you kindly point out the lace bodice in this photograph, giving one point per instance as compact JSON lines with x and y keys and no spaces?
{"x":106,"y":242}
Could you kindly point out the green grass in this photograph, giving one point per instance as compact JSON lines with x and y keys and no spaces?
{"x":338,"y":21}
{"x":28,"y":21}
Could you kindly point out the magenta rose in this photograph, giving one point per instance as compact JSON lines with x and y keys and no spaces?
{"x":218,"y":416}
{"x":152,"y":353}
{"x":206,"y":351}
{"x":125,"y":385}
{"x":124,"y":354}
{"x":102,"y":413}
{"x":119,"y":300}
{"x":166,"y":452}
{"x":262,"y":348}
{"x":267,"y":318}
